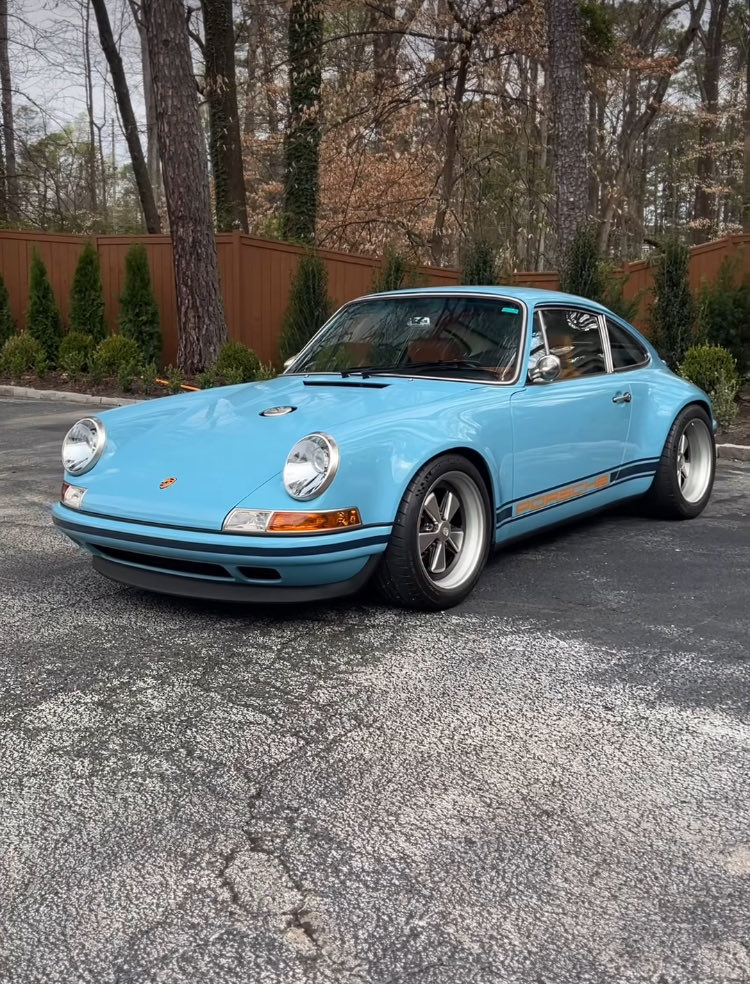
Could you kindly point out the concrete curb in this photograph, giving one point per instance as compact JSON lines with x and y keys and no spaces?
{"x":65,"y":397}
{"x":737,"y":452}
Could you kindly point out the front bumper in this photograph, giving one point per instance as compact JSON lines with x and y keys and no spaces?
{"x":221,"y":566}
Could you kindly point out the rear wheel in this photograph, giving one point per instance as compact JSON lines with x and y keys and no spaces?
{"x":685,"y":474}
{"x":440,"y":538}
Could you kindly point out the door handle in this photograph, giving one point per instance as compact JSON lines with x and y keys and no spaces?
{"x":622,"y":398}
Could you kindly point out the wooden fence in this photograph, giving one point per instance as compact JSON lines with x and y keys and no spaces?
{"x":256,"y":274}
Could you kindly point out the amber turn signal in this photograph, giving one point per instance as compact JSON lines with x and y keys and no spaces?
{"x":314,"y":522}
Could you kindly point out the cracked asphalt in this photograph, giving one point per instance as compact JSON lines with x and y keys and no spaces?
{"x":549,"y":784}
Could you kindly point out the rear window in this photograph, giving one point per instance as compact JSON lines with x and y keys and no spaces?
{"x":627,"y":351}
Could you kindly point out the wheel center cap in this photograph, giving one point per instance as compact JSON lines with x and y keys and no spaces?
{"x":445,"y":530}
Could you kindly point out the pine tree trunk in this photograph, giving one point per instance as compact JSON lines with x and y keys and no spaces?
{"x":569,"y":111}
{"x":704,"y":223}
{"x":11,"y":179}
{"x":153,"y":164}
{"x":224,"y":124}
{"x":746,"y":156}
{"x":302,"y":143}
{"x":200,"y":311}
{"x":130,"y":126}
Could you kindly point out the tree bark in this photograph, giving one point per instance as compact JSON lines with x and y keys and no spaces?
{"x":153,"y":164}
{"x":201,"y":322}
{"x":143,"y":183}
{"x":704,"y":211}
{"x":569,"y":113}
{"x":746,"y":156}
{"x":223,"y":115}
{"x":302,"y":143}
{"x":9,"y":138}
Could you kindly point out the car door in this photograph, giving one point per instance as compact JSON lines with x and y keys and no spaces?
{"x":569,"y":434}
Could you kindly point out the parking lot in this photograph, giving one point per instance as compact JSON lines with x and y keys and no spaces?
{"x":548,"y":784}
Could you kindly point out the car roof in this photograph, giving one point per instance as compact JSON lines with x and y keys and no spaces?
{"x":529,"y":295}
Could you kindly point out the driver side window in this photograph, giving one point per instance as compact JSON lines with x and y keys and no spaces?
{"x":574,"y":336}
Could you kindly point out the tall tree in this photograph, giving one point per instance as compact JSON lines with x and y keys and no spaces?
{"x":153,"y":164}
{"x":9,"y":138}
{"x":220,"y":89}
{"x":569,"y":113}
{"x":302,"y":139}
{"x":122,"y":92}
{"x":709,"y":78}
{"x":746,"y":156}
{"x":200,"y":309}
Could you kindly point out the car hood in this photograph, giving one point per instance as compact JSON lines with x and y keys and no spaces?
{"x":220,"y":448}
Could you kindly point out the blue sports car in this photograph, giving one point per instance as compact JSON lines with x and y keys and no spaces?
{"x":413,"y":434}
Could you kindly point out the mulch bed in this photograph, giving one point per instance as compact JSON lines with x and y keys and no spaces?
{"x":738,"y":433}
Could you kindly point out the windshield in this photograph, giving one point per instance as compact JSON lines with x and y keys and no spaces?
{"x":445,"y":335}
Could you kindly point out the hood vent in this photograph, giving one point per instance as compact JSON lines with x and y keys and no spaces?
{"x":356,"y":383}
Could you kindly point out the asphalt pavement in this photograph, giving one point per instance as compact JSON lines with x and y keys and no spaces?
{"x":548,"y":784}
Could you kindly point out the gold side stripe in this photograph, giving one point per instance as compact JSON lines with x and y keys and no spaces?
{"x":561,"y":495}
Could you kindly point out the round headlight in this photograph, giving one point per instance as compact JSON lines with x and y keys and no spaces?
{"x":311,"y":466}
{"x":83,"y":445}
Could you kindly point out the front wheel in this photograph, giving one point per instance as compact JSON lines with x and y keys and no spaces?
{"x":440,"y":539}
{"x":685,"y":474}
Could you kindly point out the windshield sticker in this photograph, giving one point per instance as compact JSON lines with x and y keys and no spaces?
{"x":508,"y":310}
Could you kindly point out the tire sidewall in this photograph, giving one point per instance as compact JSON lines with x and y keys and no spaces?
{"x":415,"y":496}
{"x":668,"y":463}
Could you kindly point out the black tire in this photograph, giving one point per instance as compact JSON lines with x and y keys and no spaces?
{"x":403,"y":577}
{"x":672,"y":496}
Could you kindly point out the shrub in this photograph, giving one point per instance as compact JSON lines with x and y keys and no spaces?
{"x":139,"y":312}
{"x":7,"y":328}
{"x":309,"y":305}
{"x":115,"y":356}
{"x":479,"y":264}
{"x":673,"y":313}
{"x":267,"y":371}
{"x":236,"y":363}
{"x":724,"y":313}
{"x":613,"y":294}
{"x":583,"y":272}
{"x":206,"y":379}
{"x":394,"y":273}
{"x":148,"y":375}
{"x":175,"y":378}
{"x":43,"y":321}
{"x":76,"y":351}
{"x":713,"y":369}
{"x":21,"y":354}
{"x":87,"y":297}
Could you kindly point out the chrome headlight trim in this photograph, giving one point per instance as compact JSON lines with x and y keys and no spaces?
{"x":297,"y":486}
{"x":97,"y":438}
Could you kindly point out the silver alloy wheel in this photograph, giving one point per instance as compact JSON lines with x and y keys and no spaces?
{"x":694,"y":463}
{"x":452,"y":530}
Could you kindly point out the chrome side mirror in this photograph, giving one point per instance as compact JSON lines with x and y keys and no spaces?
{"x":289,"y":361}
{"x":546,"y":370}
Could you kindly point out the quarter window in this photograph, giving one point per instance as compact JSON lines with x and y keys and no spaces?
{"x":627,"y":351}
{"x":573,"y":335}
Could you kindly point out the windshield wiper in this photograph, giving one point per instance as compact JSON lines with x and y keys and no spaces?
{"x":408,"y":367}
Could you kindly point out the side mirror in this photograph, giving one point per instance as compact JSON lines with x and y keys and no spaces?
{"x":546,"y":370}
{"x":289,"y":361}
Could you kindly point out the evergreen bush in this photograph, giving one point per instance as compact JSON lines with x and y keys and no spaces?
{"x":115,"y":356}
{"x":22,"y":354}
{"x":673,"y":314}
{"x":236,"y":363}
{"x":724,"y":313}
{"x":394,"y":273}
{"x":87,"y":296}
{"x":479,"y":263}
{"x":714,"y":369}
{"x":76,"y":351}
{"x":7,"y":328}
{"x":43,"y":321}
{"x":583,"y":272}
{"x":309,"y":305}
{"x":139,"y":312}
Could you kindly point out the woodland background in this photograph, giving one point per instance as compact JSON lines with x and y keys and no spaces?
{"x":423,"y":127}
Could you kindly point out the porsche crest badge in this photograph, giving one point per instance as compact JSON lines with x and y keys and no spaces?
{"x":167,"y":482}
